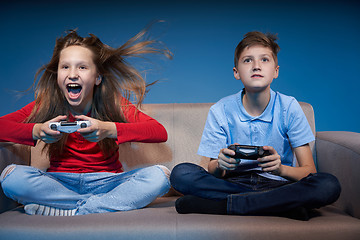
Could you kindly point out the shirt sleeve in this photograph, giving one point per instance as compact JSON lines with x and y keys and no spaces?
{"x":299,"y":131}
{"x":14,"y":129}
{"x":139,"y":128}
{"x":214,"y":135}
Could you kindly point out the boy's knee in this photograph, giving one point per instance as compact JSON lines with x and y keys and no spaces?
{"x":327,"y":189}
{"x":332,"y":187}
{"x":181,"y":170}
{"x":186,"y":168}
{"x":184,"y":175}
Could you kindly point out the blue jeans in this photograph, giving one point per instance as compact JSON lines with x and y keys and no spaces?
{"x":87,"y":192}
{"x":249,"y":193}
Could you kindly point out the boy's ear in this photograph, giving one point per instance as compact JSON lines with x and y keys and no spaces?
{"x":236,"y":73}
{"x":276,"y":72}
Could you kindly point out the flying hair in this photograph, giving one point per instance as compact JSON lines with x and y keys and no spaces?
{"x":119,"y":80}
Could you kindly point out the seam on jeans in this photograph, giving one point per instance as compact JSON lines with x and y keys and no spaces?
{"x":81,"y":183}
{"x":229,"y":204}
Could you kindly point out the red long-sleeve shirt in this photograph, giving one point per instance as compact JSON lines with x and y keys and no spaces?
{"x":80,"y":155}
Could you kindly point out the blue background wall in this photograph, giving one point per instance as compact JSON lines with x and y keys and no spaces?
{"x":319,"y":40}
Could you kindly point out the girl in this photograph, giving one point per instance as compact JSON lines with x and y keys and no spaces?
{"x":86,"y":80}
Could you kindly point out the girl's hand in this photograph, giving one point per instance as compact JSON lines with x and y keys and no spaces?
{"x":225,"y":160}
{"x":41,"y":131}
{"x":271,"y":163}
{"x":98,"y":129}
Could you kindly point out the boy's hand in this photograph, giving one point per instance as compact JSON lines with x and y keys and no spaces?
{"x":271,"y":163}
{"x":225,"y":161}
{"x":41,"y":131}
{"x":98,"y":129}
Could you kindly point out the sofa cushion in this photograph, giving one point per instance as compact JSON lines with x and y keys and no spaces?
{"x":160,"y":221}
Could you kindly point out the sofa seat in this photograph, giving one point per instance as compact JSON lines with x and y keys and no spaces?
{"x":161,"y":221}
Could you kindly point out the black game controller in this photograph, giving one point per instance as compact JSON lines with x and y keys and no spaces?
{"x":248,"y":152}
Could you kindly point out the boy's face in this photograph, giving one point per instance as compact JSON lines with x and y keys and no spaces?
{"x":256,"y":68}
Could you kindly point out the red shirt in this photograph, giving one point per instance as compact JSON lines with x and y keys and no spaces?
{"x":80,"y":155}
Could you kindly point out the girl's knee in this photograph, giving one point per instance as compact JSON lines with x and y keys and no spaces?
{"x":165,"y":170}
{"x":15,"y":181}
{"x":9,"y":169}
{"x":10,"y":184}
{"x":157,"y":177}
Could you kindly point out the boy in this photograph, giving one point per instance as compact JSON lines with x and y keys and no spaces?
{"x":257,"y":116}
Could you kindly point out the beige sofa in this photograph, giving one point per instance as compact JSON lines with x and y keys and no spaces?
{"x":335,"y":152}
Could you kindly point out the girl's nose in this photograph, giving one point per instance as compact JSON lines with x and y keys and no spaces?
{"x":73,"y":74}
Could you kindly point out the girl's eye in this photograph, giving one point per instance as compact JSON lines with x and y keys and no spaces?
{"x":82,"y":67}
{"x":64,"y":67}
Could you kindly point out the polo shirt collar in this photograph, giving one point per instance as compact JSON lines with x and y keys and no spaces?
{"x":266,"y":116}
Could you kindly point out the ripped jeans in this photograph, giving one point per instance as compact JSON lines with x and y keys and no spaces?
{"x":87,"y":192}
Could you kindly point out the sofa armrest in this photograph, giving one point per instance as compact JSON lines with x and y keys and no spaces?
{"x":11,"y":153}
{"x":338,"y":153}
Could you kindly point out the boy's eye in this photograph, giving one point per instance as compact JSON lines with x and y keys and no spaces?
{"x":247,"y":60}
{"x":265,"y":60}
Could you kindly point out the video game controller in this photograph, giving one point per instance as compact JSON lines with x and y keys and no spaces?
{"x":248,"y":152}
{"x":69,"y":127}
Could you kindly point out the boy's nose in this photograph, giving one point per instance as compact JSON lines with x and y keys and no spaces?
{"x":255,"y":69}
{"x":256,"y":66}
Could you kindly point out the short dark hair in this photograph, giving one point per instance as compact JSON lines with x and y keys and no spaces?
{"x":257,"y":38}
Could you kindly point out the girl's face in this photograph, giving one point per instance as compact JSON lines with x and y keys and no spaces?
{"x":77,"y":76}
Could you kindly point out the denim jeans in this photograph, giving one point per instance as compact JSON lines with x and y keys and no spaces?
{"x":249,"y":193}
{"x":87,"y":192}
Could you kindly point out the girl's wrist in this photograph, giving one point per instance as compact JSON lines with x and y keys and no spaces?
{"x":36,"y":131}
{"x":111,"y":129}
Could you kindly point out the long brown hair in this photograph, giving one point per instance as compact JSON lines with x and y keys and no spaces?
{"x":119,"y":79}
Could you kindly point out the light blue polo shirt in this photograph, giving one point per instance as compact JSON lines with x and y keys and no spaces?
{"x":282,"y":125}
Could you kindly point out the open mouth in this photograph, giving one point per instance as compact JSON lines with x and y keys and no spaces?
{"x":74,"y":90}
